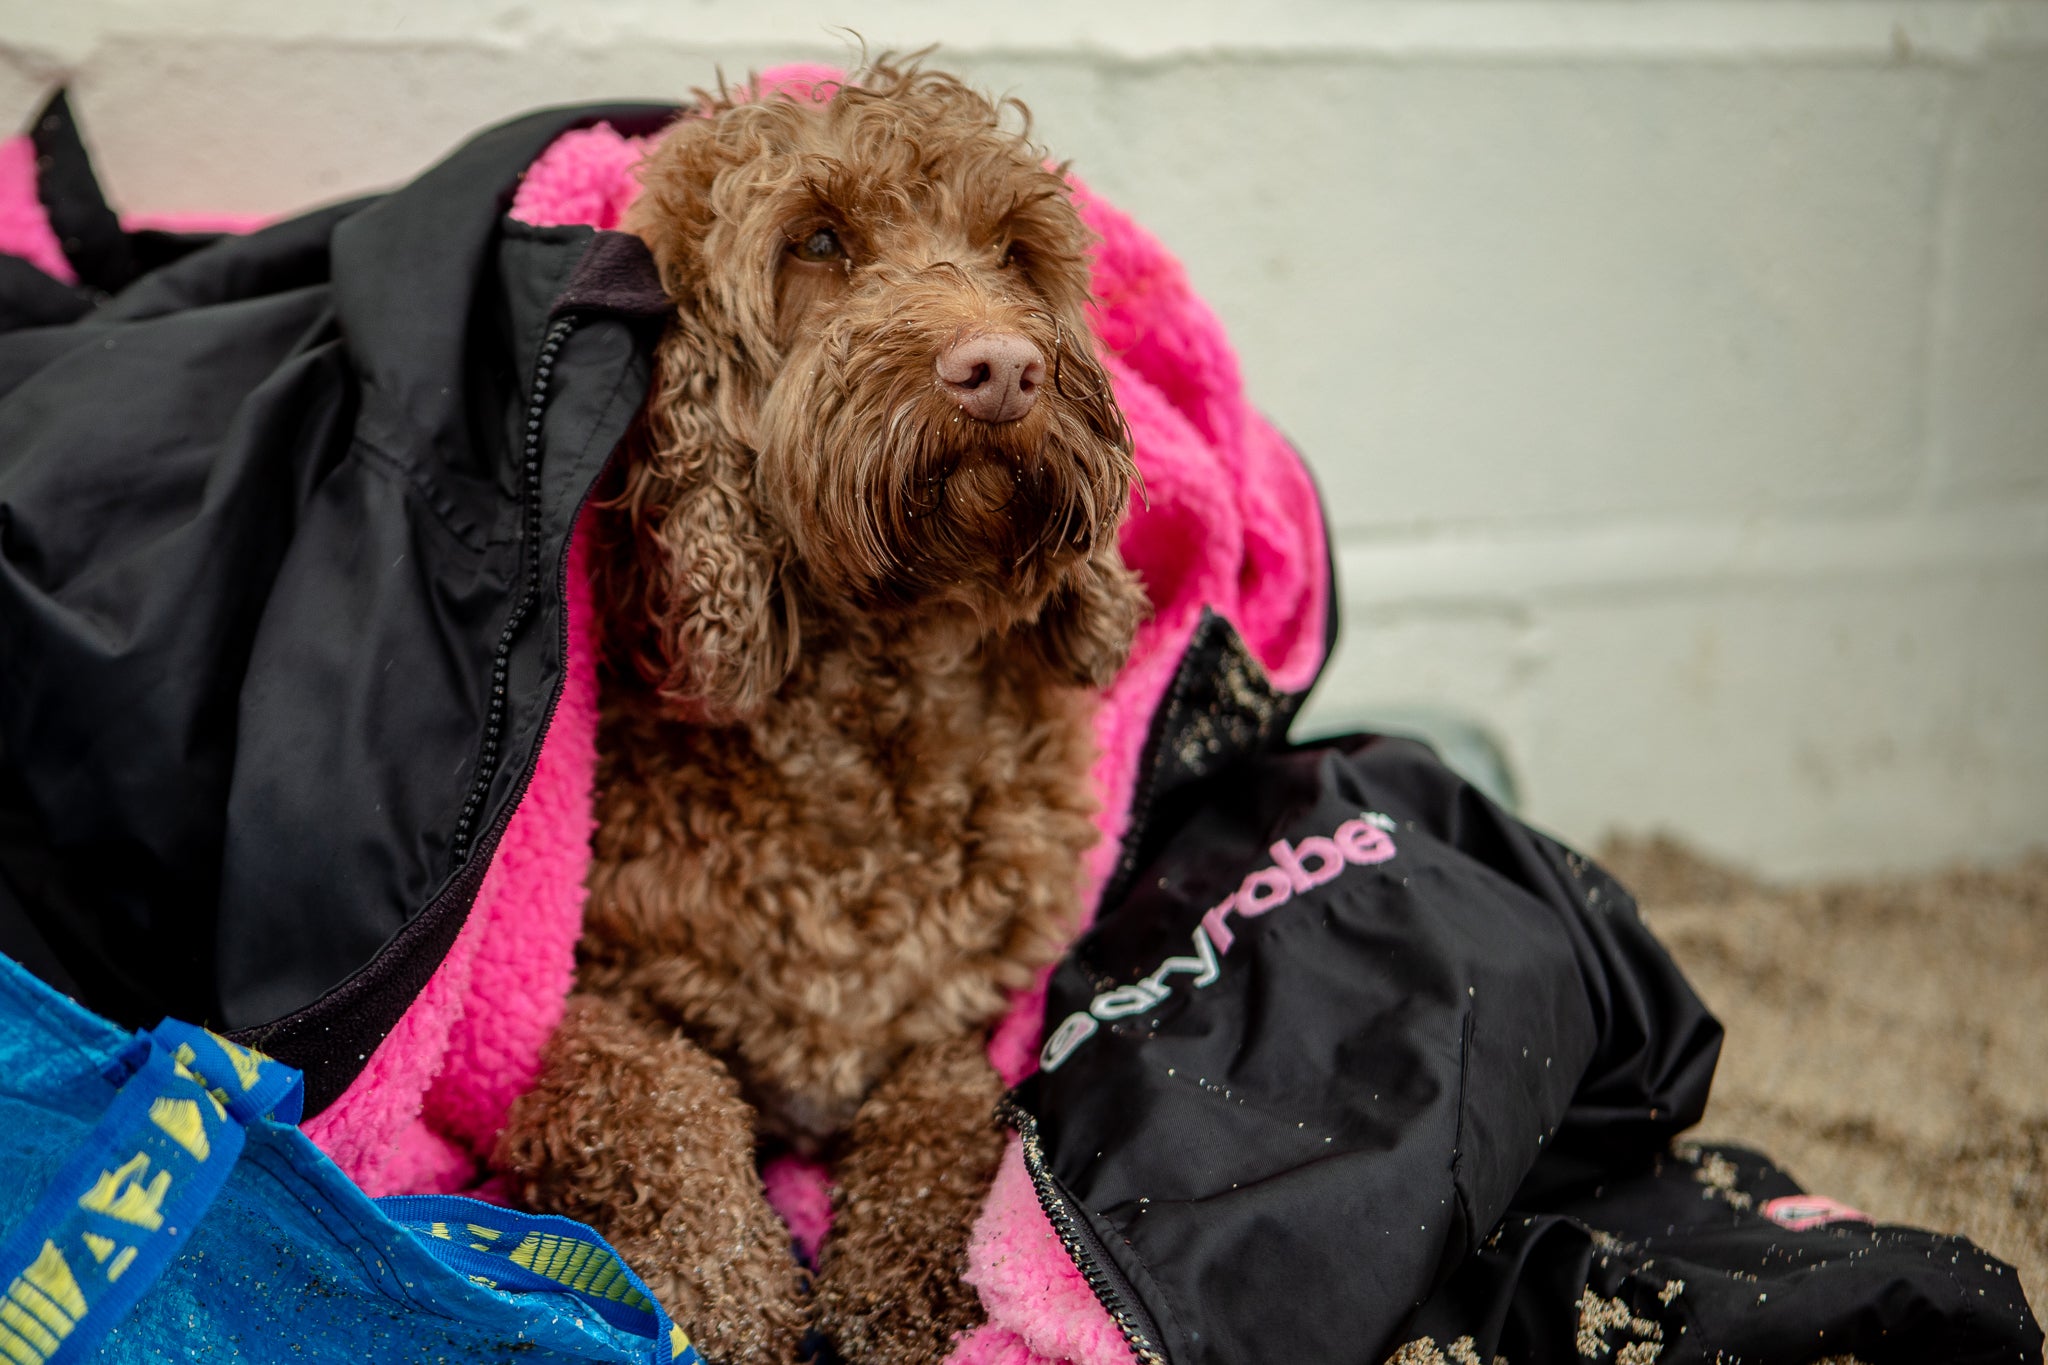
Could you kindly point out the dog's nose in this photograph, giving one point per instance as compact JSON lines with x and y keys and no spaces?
{"x":993,"y":376}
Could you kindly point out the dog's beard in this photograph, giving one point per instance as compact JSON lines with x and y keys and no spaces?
{"x":897,"y":499}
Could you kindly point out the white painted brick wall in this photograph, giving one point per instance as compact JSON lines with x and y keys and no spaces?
{"x":1677,"y":372}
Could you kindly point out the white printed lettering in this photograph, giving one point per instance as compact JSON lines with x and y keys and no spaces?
{"x":1202,"y":966}
{"x":1124,"y":1000}
{"x":1073,"y":1031}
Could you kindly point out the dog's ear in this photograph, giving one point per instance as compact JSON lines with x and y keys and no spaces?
{"x":1083,"y":634}
{"x":698,"y":574}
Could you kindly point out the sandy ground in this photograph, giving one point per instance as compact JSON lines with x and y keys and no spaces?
{"x":1887,"y":1040}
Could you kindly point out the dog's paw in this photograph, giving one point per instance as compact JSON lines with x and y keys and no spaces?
{"x":891,"y":1319}
{"x":644,"y":1136}
{"x":749,"y":1310}
{"x":918,"y":1164}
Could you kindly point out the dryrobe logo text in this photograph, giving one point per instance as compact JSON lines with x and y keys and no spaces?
{"x":1295,"y":868}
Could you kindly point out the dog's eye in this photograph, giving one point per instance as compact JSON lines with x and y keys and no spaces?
{"x":822,"y":246}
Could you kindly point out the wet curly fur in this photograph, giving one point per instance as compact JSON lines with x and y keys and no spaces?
{"x":849,"y":635}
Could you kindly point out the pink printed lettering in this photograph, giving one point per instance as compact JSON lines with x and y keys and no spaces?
{"x":1220,"y":933}
{"x":1363,"y":843}
{"x":1264,"y":890}
{"x":1800,"y":1212}
{"x":1329,"y":861}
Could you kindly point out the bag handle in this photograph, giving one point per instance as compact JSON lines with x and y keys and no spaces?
{"x":126,"y":1202}
{"x":501,"y":1249}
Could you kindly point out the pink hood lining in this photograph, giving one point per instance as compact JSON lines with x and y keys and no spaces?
{"x":1229,"y":521}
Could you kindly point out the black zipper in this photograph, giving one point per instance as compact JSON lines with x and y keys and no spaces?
{"x":1084,"y":1247}
{"x":529,"y":497}
{"x":463,"y":887}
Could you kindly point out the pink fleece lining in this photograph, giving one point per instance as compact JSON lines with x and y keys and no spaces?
{"x":1229,"y":521}
{"x":800,"y":1189}
{"x":24,"y":225}
{"x":424,"y":1112}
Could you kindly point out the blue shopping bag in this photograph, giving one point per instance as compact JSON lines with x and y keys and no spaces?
{"x":159,"y":1203}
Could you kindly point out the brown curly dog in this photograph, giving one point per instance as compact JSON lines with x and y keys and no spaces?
{"x":859,"y":570}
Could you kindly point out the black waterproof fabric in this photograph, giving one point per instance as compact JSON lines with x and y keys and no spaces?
{"x":1353,"y":1061}
{"x":270,"y":564}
